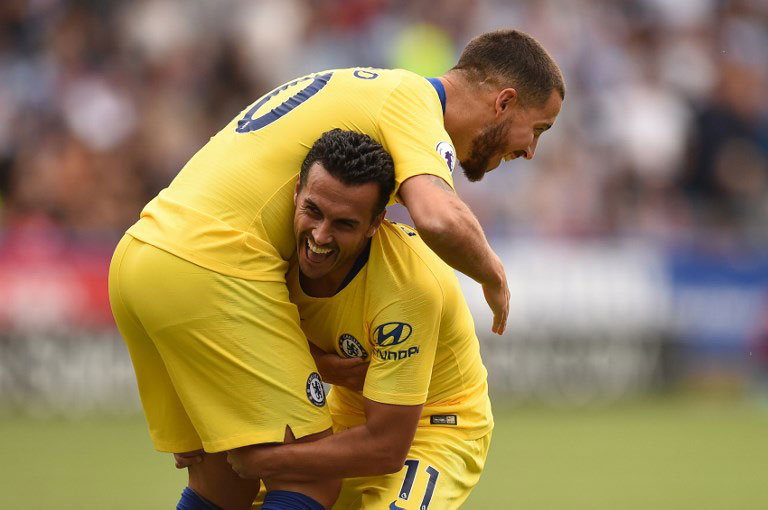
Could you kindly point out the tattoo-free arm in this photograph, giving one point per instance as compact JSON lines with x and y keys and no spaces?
{"x":450,"y":229}
{"x":375,"y":448}
{"x":347,"y":372}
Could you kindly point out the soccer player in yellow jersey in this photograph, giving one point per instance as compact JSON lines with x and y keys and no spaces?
{"x":417,"y":435}
{"x":197,"y":285}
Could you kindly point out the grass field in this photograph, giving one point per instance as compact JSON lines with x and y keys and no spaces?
{"x":661,"y":454}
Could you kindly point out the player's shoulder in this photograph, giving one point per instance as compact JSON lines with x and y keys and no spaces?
{"x":370,"y":75}
{"x":400,"y":79}
{"x":407,"y":258}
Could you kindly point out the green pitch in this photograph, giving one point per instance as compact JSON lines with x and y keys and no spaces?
{"x":662,"y":454}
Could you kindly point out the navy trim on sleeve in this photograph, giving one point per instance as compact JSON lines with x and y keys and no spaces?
{"x":440,"y":90}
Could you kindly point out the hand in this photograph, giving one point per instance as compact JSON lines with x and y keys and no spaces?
{"x":497,"y":297}
{"x":251,"y":461}
{"x":186,"y":459}
{"x":347,"y":372}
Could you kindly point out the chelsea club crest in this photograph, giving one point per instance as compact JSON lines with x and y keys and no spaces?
{"x":351,"y":348}
{"x":315,"y":390}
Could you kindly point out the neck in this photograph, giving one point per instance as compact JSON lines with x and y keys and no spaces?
{"x":336,"y":280}
{"x":465,"y":104}
{"x":325,"y":286}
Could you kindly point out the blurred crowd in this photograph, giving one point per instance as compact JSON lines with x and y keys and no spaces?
{"x":663,"y":136}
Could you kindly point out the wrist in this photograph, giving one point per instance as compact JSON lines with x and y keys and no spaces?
{"x":497,"y":277}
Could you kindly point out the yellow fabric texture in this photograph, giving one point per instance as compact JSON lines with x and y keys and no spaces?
{"x":230,"y":209}
{"x":220,"y":361}
{"x":452,"y":464}
{"x":405,"y":312}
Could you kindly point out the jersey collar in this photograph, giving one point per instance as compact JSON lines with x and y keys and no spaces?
{"x":359,"y":263}
{"x":440,"y":90}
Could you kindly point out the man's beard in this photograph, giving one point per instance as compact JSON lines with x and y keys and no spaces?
{"x":484,"y":147}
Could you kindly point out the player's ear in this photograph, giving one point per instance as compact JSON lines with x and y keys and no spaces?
{"x":375,"y":224}
{"x":296,"y":191}
{"x":505,"y":99}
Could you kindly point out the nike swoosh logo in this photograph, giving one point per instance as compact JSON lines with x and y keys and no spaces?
{"x":393,"y":506}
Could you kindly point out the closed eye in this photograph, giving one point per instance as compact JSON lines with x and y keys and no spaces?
{"x":347,"y":224}
{"x":311,"y":208}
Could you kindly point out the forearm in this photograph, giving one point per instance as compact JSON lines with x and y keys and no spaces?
{"x":350,"y":453}
{"x":458,"y":239}
{"x":448,"y":227}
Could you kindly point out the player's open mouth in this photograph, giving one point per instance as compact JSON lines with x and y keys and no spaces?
{"x":315,"y":253}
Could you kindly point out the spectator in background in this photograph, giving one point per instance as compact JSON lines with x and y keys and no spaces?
{"x":125,"y":92}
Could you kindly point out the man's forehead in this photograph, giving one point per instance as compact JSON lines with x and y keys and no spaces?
{"x":325,"y":191}
{"x":319,"y":180}
{"x":552,"y":107}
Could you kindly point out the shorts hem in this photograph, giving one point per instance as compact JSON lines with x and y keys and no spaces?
{"x":270,"y":436}
{"x":177,"y":446}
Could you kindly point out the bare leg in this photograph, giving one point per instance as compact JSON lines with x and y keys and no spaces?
{"x":214,"y":480}
{"x":324,"y":492}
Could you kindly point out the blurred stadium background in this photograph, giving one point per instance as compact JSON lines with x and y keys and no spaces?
{"x":634,"y":373}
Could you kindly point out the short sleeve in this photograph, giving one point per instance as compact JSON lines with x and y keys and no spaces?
{"x":411,"y":124}
{"x":404,"y":337}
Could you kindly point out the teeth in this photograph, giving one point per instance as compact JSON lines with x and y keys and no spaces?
{"x":316,"y":249}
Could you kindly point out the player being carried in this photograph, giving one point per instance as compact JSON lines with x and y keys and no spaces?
{"x":197,"y":285}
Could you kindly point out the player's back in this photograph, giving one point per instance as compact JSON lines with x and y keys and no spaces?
{"x":230,"y":208}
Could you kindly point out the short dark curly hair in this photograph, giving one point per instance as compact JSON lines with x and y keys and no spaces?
{"x":512,"y":58}
{"x":354,"y":159}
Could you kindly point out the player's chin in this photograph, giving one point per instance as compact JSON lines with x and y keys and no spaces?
{"x":314,"y":267}
{"x":474,"y":173}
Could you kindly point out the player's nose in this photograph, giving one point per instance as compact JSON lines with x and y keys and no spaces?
{"x":322,"y":233}
{"x":531,"y":149}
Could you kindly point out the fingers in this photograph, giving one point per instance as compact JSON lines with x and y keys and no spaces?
{"x":500,"y":322}
{"x":352,"y":362}
{"x":234,"y":458}
{"x":499,"y":305}
{"x":498,"y":301}
{"x":233,"y":461}
{"x":185,"y":462}
{"x":503,"y":315}
{"x":186,"y":459}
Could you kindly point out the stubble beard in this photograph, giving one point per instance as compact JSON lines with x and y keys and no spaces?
{"x":483,"y":148}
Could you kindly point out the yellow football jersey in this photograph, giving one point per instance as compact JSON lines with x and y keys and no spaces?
{"x":230,"y":209}
{"x":405,"y":312}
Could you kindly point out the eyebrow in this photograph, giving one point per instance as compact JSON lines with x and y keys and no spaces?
{"x":351,"y":221}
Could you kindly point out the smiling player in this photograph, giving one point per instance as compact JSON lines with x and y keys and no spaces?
{"x":197,"y":284}
{"x":417,"y":435}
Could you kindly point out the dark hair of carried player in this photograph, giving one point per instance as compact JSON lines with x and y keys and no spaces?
{"x":354,"y":159}
{"x":511,"y":58}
